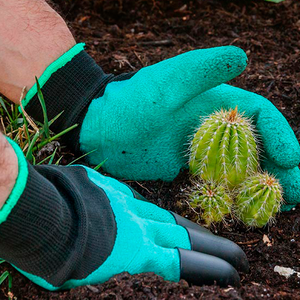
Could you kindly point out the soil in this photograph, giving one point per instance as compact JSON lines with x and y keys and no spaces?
{"x":127,"y":35}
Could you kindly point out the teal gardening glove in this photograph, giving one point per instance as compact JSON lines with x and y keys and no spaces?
{"x":85,"y":228}
{"x":142,"y":123}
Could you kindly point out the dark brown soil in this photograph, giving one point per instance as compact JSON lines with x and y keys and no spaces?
{"x":126,"y":35}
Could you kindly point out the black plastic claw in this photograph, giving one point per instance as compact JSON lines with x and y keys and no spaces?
{"x":188,"y":224}
{"x":202,"y":240}
{"x":218,"y":246}
{"x":199,"y":268}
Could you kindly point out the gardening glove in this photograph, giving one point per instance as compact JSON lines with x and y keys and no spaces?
{"x":143,"y":125}
{"x":64,"y":227}
{"x":279,"y":146}
{"x":137,"y":122}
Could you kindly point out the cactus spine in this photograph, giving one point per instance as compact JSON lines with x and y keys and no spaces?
{"x":213,"y":200}
{"x":259,"y":199}
{"x":224,"y":149}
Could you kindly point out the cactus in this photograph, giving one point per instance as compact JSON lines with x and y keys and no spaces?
{"x":259,"y":199}
{"x":213,"y":201}
{"x":224,"y":149}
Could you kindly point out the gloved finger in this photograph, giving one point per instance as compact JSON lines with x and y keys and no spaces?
{"x":174,"y":236}
{"x":289,"y":180}
{"x":175,"y":264}
{"x":278,"y":139}
{"x":149,"y":211}
{"x":172,"y":82}
{"x":200,"y":268}
{"x":168,"y":235}
{"x":202,"y":240}
{"x":220,"y":247}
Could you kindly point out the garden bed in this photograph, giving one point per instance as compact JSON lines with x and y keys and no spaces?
{"x":125,"y":36}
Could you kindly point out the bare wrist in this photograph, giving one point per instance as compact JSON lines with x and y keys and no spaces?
{"x":32,"y":36}
{"x":8,"y":169}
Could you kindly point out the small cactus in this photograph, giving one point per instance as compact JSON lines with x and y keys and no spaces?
{"x":259,"y":199}
{"x":224,"y":149}
{"x":213,"y":201}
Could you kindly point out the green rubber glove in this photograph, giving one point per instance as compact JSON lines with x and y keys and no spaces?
{"x":151,"y":239}
{"x":136,"y":122}
{"x":87,"y":227}
{"x":162,"y":129}
{"x":142,"y":126}
{"x":280,"y":148}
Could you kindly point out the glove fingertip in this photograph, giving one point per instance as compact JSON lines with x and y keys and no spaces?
{"x":287,"y":207}
{"x":230,"y":62}
{"x":279,"y":140}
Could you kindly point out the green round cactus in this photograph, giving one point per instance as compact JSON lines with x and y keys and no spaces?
{"x":259,"y":199}
{"x":213,"y":201}
{"x":224,"y":149}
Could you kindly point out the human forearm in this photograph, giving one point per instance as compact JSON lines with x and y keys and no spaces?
{"x":32,"y":36}
{"x":8,"y":169}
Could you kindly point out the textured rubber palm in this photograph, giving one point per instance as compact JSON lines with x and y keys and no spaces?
{"x":146,"y":238}
{"x":139,"y":124}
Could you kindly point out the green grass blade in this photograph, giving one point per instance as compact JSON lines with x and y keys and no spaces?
{"x":42,"y":144}
{"x":100,"y":165}
{"x":6,"y":110}
{"x":44,"y":160}
{"x":82,"y":156}
{"x":55,"y":118}
{"x":52,"y":157}
{"x":30,"y":149}
{"x":42,"y":102}
{"x":7,"y":275}
{"x":58,"y":161}
{"x":16,"y":112}
{"x":3,"y":276}
{"x":26,"y":129}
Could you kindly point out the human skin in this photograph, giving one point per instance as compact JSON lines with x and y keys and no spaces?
{"x":8,"y":169}
{"x":32,"y":36}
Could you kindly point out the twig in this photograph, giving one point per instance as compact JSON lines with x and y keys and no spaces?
{"x":156,"y":43}
{"x":3,"y":126}
{"x":30,"y":121}
{"x":249,"y":242}
{"x":143,"y":187}
{"x":139,"y":59}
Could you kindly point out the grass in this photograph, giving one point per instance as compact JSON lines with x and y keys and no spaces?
{"x":31,"y":136}
{"x":6,"y":275}
{"x":275,"y":1}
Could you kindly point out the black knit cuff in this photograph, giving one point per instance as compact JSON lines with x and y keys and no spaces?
{"x":61,"y":228}
{"x":71,"y":89}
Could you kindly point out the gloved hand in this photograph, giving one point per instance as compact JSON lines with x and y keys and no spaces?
{"x":85,"y":228}
{"x":138,"y":122}
{"x":143,"y":124}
